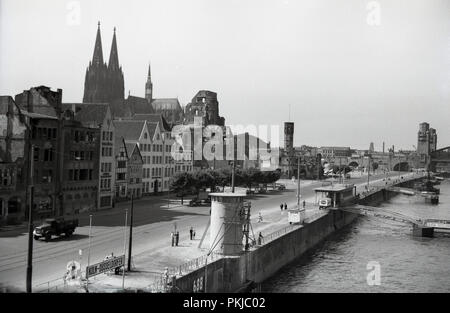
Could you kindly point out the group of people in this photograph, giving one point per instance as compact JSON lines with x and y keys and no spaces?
{"x":283,"y":206}
{"x":175,"y":235}
{"x":192,"y":233}
{"x":175,"y":238}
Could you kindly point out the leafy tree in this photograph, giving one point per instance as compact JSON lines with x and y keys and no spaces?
{"x":181,"y":184}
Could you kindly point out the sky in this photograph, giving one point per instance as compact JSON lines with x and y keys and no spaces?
{"x":346,"y":72}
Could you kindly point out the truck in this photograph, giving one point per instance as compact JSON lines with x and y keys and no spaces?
{"x":55,"y":227}
{"x":324,"y":203}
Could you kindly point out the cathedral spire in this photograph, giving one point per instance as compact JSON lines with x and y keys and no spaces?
{"x":149,"y":86}
{"x":114,"y":57}
{"x":97,"y":58}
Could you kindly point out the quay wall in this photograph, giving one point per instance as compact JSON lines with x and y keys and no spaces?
{"x":229,"y":274}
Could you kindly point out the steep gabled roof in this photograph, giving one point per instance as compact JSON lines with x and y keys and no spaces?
{"x":139,"y":105}
{"x":128,"y":129}
{"x":166,"y":104}
{"x":89,"y":114}
{"x":153,"y":118}
{"x":151,"y":128}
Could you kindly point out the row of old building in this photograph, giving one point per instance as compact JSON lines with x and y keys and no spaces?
{"x":77,"y":156}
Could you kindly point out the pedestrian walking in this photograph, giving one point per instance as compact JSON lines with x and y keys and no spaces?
{"x":177,"y":238}
{"x":260,"y":218}
{"x":281,"y":207}
{"x":285,"y":206}
{"x":304,"y":203}
{"x":191,"y":233}
{"x":172,"y":235}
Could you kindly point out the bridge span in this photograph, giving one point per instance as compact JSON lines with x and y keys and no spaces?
{"x":421,"y":227}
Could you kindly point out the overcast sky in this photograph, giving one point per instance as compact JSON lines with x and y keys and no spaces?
{"x":352,"y":71}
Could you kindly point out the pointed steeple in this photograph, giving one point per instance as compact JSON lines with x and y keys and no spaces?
{"x":149,"y":86}
{"x":114,"y":57}
{"x":97,"y":58}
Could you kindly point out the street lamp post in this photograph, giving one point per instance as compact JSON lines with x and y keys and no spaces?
{"x":130,"y":244}
{"x":30,"y":219}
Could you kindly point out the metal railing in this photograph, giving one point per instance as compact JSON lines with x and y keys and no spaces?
{"x":194,"y":264}
{"x":277,"y":234}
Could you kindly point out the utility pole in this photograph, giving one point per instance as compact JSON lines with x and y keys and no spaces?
{"x":30,"y":217}
{"x":124,"y":247}
{"x":298,"y":183}
{"x":232,"y":176}
{"x":130,"y":244}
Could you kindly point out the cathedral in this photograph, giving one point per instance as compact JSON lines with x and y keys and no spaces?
{"x":104,"y":83}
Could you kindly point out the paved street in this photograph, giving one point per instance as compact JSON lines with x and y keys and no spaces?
{"x":153,"y":221}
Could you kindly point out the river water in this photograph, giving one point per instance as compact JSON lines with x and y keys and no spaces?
{"x":406,"y":263}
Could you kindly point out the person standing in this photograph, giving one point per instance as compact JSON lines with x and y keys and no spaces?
{"x":177,"y":238}
{"x":285,"y":206}
{"x":191,"y":233}
{"x":172,"y":235}
{"x":260,"y":238}
{"x":304,"y":203}
{"x":281,"y":207}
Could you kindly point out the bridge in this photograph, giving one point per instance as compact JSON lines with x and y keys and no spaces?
{"x":421,"y":227}
{"x":432,"y":197}
{"x":440,"y":160}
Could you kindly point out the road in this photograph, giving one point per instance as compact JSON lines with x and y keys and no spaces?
{"x":153,"y":222}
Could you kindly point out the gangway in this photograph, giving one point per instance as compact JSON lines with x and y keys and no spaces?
{"x":422,"y":227}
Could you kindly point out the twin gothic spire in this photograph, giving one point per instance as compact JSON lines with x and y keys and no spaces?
{"x":104,"y":83}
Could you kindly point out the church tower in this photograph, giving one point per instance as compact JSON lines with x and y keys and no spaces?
{"x":96,"y":74}
{"x":104,"y":83}
{"x":149,"y":87}
{"x":115,"y":74}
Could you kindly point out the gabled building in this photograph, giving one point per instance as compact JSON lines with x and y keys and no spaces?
{"x":98,"y":115}
{"x":121,"y":161}
{"x":134,"y":170}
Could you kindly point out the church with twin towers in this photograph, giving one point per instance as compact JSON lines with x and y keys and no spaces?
{"x":104,"y":83}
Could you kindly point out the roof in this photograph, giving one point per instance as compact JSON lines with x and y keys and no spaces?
{"x":139,"y":105}
{"x":166,"y":104}
{"x":88,"y":113}
{"x":151,"y":128}
{"x":128,"y":129}
{"x":153,"y":118}
{"x":334,"y":188}
{"x":118,"y":143}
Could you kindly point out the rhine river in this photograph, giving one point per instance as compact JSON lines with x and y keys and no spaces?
{"x":407,"y":263}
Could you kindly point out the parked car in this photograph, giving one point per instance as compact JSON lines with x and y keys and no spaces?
{"x":194,"y":202}
{"x":55,"y":227}
{"x":280,"y":187}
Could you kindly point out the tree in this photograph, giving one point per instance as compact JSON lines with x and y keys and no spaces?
{"x":181,"y":184}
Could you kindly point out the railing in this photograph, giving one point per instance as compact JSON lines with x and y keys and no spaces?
{"x":194,"y":264}
{"x":55,"y":285}
{"x":277,"y":234}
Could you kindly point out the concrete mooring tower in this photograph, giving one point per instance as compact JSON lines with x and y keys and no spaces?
{"x":227,"y":220}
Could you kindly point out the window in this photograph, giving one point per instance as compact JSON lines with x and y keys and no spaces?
{"x":121,"y":164}
{"x":48,"y":155}
{"x":36,"y":154}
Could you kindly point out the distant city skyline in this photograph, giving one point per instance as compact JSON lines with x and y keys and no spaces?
{"x":347,"y":82}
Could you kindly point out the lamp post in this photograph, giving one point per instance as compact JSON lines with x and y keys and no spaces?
{"x":130,"y":244}
{"x":30,"y":219}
